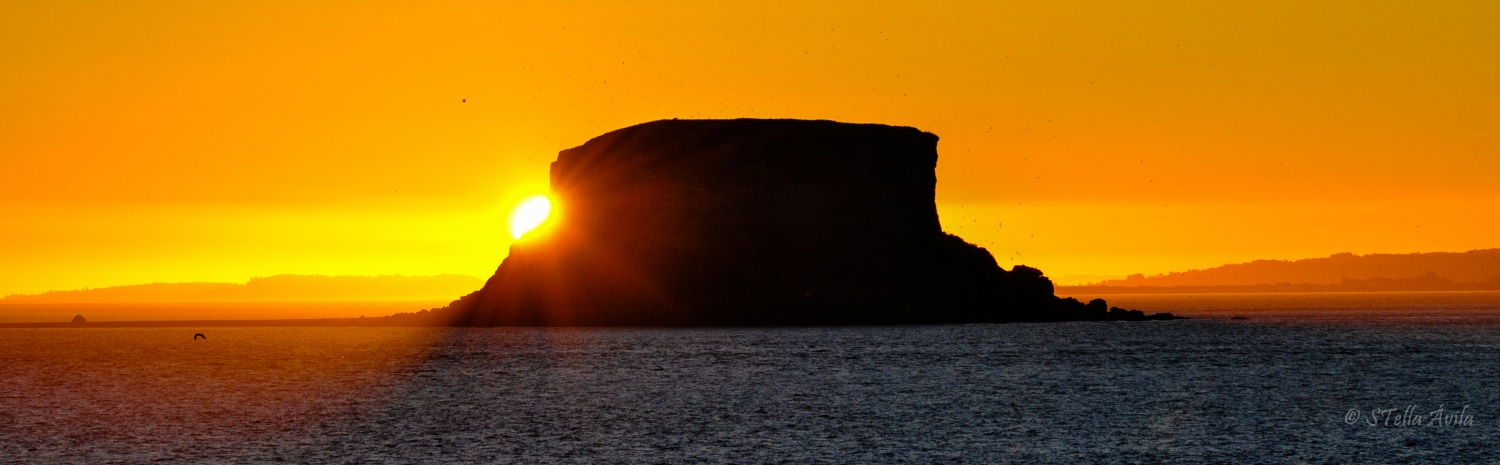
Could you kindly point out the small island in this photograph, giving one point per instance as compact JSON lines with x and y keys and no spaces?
{"x":755,"y":223}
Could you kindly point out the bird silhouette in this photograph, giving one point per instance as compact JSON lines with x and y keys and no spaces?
{"x":198,"y":335}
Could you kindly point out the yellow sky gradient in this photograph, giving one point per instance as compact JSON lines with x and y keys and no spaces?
{"x":216,"y":141}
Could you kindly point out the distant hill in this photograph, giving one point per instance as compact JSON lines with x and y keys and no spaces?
{"x":281,"y":288}
{"x":1472,"y":270}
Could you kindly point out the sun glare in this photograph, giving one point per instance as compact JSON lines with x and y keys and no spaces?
{"x":531,"y":212}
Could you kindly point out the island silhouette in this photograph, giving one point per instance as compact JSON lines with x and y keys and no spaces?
{"x":755,"y":222}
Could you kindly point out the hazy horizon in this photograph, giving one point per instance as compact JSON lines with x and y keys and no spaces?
{"x":1473,"y":266}
{"x":1253,"y":272}
{"x":283,"y":287}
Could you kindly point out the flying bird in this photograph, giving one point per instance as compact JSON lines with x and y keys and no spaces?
{"x":198,"y":335}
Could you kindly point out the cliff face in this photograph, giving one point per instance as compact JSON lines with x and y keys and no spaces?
{"x":750,"y":222}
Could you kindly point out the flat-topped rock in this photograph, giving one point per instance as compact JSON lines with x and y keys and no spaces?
{"x":752,"y":222}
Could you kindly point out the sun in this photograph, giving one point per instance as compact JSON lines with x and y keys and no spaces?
{"x":529,"y":213}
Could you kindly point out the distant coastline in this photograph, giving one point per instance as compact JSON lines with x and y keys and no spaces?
{"x":1475,"y":270}
{"x":102,"y":312}
{"x":279,"y":288}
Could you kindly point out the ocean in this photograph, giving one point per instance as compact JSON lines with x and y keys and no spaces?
{"x":1273,"y":388}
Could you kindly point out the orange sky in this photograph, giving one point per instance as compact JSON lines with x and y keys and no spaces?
{"x":216,"y":141}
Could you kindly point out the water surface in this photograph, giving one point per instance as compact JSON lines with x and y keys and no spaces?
{"x":1123,"y":392}
{"x":1436,"y":307}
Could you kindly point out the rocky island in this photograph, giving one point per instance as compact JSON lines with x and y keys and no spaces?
{"x":754,"y":222}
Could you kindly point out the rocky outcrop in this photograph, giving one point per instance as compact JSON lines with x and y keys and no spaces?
{"x":752,"y":222}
